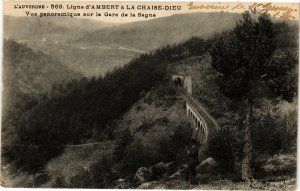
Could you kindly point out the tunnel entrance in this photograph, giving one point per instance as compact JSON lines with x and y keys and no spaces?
{"x":183,"y":82}
{"x":178,"y":82}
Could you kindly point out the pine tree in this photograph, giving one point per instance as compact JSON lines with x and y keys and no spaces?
{"x":247,"y":71}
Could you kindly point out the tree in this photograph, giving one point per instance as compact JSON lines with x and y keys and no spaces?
{"x":31,"y":158}
{"x":248,"y":71}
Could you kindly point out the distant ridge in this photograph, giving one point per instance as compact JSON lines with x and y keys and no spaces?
{"x":30,"y":28}
{"x":155,"y":33}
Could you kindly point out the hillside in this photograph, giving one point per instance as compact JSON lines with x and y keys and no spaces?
{"x":27,"y":76}
{"x":30,"y":73}
{"x":204,"y":84}
{"x":56,"y":37}
{"x":52,"y":36}
{"x":152,"y":120}
{"x":29,"y":29}
{"x":206,"y":90}
{"x":71,"y":163}
{"x":149,"y":35}
{"x":155,"y":108}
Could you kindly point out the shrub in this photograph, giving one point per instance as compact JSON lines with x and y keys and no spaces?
{"x":123,"y":139}
{"x":179,"y":140}
{"x":98,"y":175}
{"x":275,"y":168}
{"x":226,"y":147}
{"x":82,"y":180}
{"x":60,"y":182}
{"x":102,"y":175}
{"x":272,"y":133}
{"x":135,"y":156}
{"x":157,"y":145}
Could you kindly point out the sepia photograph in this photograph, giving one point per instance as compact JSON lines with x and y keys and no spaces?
{"x":149,"y":95}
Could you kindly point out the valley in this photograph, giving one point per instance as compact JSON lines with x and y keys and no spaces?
{"x":89,"y":60}
{"x":94,"y":47}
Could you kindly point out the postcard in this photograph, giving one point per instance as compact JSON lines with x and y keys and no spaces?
{"x":149,"y":95}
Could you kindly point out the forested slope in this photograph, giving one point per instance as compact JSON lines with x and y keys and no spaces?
{"x":30,"y":73}
{"x":27,"y":77}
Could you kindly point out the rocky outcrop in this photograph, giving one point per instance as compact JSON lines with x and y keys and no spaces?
{"x":143,"y":175}
{"x":121,"y":184}
{"x":156,"y":172}
{"x":280,"y":164}
{"x":160,"y":170}
{"x":206,"y":166}
{"x":179,"y":173}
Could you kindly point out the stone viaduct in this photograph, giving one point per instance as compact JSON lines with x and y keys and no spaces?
{"x":204,"y":126}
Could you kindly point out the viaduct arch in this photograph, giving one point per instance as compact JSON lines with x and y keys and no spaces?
{"x":199,"y":126}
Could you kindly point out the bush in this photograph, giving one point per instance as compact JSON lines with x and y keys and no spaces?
{"x":82,"y":180}
{"x":276,"y":167}
{"x":102,"y":175}
{"x":60,"y":182}
{"x":272,"y":133}
{"x":159,"y":144}
{"x":227,"y":150}
{"x":147,"y":150}
{"x":136,"y":155}
{"x":98,"y":175}
{"x":179,"y":140}
{"x":123,"y":139}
